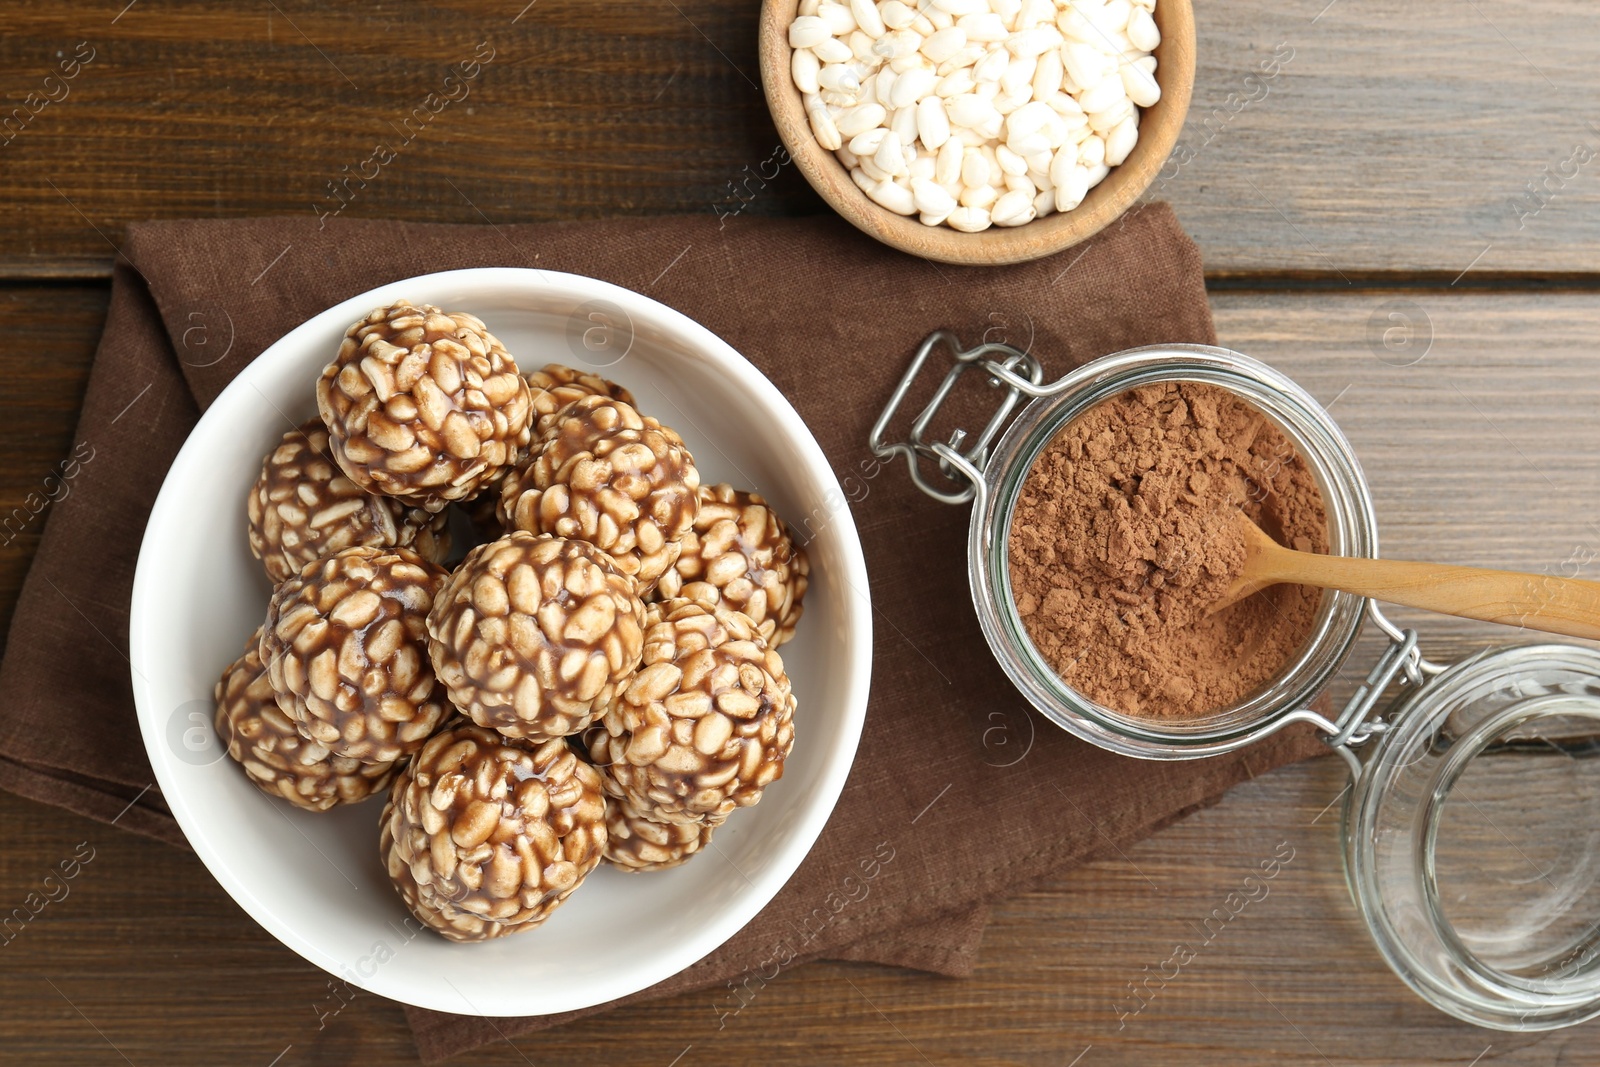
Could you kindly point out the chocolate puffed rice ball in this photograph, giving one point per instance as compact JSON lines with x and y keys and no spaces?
{"x":602,"y":473}
{"x":635,"y":843}
{"x":551,"y":388}
{"x":423,"y":406}
{"x":481,"y":828}
{"x":740,"y":555}
{"x":532,"y":633}
{"x":706,"y":723}
{"x":554,"y":386}
{"x":345,"y":644}
{"x":264,"y":741}
{"x":303,"y":508}
{"x":442,"y":917}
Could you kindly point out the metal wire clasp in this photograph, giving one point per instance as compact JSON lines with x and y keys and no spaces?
{"x":1402,"y":661}
{"x":954,"y":464}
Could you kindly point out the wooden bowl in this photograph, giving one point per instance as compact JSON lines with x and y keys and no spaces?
{"x":1159,"y":127}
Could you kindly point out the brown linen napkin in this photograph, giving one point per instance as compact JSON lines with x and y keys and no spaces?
{"x":959,"y":794}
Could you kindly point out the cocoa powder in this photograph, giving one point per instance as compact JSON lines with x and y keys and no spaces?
{"x":1123,"y":538}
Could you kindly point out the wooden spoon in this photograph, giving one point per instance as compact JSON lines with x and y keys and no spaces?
{"x":1542,"y":602}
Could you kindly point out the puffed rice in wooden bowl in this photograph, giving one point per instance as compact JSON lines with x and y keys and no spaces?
{"x":317,"y":880}
{"x":1159,"y":126}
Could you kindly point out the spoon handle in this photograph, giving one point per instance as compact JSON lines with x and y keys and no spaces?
{"x":1569,"y":606}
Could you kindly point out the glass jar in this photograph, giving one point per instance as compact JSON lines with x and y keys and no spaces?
{"x":1486,"y":905}
{"x":1472,"y":838}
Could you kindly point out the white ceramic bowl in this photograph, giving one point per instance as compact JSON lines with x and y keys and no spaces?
{"x":315,"y":881}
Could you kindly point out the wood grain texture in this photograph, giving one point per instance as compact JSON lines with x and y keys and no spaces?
{"x":1395,"y":137}
{"x":1482,"y":452}
{"x":205,"y":109}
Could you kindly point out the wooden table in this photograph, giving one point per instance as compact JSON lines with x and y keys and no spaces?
{"x":1386,"y":170}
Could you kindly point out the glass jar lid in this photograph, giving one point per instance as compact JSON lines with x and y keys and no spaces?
{"x":1472,"y":838}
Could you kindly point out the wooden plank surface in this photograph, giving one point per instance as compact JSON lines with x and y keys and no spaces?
{"x":1484,"y":451}
{"x":1395,"y":138}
